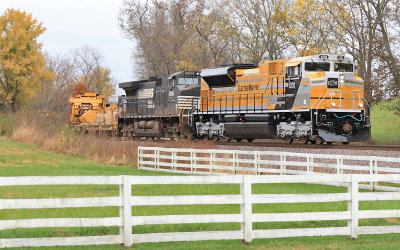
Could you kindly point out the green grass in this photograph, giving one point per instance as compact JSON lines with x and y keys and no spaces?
{"x":18,"y":159}
{"x":385,"y":123}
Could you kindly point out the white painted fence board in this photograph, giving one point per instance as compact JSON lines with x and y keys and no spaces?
{"x":155,"y":169}
{"x":387,"y":159}
{"x":299,"y":198}
{"x":379,"y":196}
{"x":388,"y":170}
{"x":149,"y":155}
{"x":366,"y":214}
{"x":60,"y":202}
{"x":269,"y":170}
{"x":316,"y":178}
{"x":309,"y":216}
{"x":187,"y":236}
{"x":379,"y":230}
{"x":300,"y":232}
{"x":386,"y":188}
{"x":60,"y":241}
{"x":159,"y":180}
{"x":59,"y":180}
{"x":186,"y":219}
{"x":60,"y":222}
{"x":185,"y":200}
{"x":355,"y":168}
{"x":148,"y":162}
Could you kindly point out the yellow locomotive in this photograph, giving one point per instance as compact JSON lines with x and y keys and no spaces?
{"x":91,"y":113}
{"x":318,"y":98}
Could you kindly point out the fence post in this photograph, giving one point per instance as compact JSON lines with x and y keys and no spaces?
{"x":352,"y":206}
{"x":283,"y":164}
{"x":256,"y":155}
{"x":373,"y":164}
{"x":339,"y":165}
{"x":127,"y":210}
{"x":212,"y":156}
{"x":374,"y":171}
{"x":173,"y":160}
{"x":157,"y":159}
{"x":235,"y":162}
{"x":139,"y":157}
{"x":246,"y":209}
{"x":121,"y":208}
{"x":191,"y":161}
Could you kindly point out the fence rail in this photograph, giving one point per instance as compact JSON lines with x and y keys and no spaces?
{"x":246,"y":198}
{"x":223,"y":162}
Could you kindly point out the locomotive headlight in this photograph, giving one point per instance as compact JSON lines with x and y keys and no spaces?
{"x":333,"y":104}
{"x":360,"y":105}
{"x":342,"y":79}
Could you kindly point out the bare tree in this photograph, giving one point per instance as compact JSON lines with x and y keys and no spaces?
{"x":87,"y":62}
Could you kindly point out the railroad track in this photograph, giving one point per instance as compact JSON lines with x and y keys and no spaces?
{"x":316,"y":146}
{"x":280,"y":144}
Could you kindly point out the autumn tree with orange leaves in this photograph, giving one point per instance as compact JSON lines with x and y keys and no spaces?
{"x":22,"y":65}
{"x":79,"y":89}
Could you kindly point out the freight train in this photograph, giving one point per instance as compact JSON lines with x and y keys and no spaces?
{"x":315,"y":98}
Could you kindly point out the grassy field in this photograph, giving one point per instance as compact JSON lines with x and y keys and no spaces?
{"x":385,"y":124}
{"x":18,"y":159}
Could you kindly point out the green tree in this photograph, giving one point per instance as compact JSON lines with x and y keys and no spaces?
{"x":22,"y":65}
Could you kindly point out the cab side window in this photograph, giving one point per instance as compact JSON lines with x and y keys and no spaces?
{"x":293,"y":71}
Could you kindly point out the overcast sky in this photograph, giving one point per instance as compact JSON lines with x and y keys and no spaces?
{"x":73,"y":23}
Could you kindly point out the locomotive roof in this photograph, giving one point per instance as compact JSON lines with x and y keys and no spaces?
{"x":298,"y":60}
{"x":132,"y":84}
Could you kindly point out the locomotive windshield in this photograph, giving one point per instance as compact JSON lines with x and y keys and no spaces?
{"x":343,"y":67}
{"x":188,"y":81}
{"x":317,"y":66}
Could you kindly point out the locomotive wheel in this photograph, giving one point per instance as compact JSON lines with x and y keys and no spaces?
{"x":250,"y":139}
{"x":319,"y":140}
{"x":238,"y":139}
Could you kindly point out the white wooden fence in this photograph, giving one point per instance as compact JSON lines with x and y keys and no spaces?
{"x":245,"y":199}
{"x":222,"y":162}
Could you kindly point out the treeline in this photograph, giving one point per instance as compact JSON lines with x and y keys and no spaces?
{"x":35,"y":81}
{"x":173,"y":35}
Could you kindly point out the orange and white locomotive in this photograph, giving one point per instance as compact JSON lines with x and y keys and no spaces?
{"x":317,"y":98}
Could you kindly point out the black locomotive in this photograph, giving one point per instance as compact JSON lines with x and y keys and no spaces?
{"x":159,"y":106}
